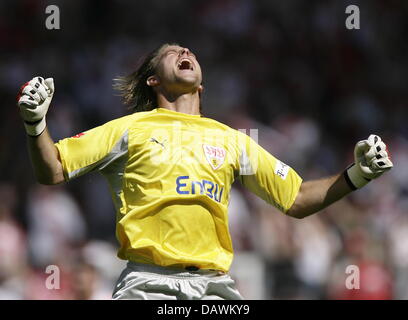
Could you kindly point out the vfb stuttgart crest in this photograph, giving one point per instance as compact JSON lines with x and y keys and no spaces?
{"x":214,"y":155}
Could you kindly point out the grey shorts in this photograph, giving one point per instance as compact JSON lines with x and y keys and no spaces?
{"x":140,"y":281}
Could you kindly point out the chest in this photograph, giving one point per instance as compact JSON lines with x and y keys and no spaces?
{"x":199,"y":154}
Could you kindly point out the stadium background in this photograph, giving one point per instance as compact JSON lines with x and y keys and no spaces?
{"x":289,"y":68}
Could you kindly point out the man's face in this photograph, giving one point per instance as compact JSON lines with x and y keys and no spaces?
{"x":178,"y":69}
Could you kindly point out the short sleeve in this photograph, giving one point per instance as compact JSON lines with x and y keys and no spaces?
{"x":92,"y":150}
{"x":267,"y":177}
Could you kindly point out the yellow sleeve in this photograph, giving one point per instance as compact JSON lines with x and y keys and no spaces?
{"x":267,"y":177}
{"x":94,"y":149}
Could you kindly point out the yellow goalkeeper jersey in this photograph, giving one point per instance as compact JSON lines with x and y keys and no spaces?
{"x":170,"y":176}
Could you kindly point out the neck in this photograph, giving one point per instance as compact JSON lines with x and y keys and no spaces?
{"x":188,"y":103}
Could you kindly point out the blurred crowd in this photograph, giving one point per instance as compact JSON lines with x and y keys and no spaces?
{"x":290,"y":69}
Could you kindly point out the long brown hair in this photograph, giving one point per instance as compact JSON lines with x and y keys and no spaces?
{"x":133,"y":89}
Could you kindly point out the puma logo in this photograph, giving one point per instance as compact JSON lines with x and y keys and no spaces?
{"x":160,"y":143}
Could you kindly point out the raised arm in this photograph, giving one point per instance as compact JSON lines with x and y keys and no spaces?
{"x":316,"y":195}
{"x":33,"y":101}
{"x":371,"y":161}
{"x":45,"y":159}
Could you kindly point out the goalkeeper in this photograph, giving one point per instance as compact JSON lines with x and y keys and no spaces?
{"x":170,"y":171}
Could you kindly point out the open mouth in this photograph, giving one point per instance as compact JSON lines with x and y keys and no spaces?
{"x":185,"y":64}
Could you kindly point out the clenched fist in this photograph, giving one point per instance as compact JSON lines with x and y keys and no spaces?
{"x":371,"y":158}
{"x":33,"y":100}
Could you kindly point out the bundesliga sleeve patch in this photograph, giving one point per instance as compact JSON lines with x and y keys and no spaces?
{"x":281,"y":169}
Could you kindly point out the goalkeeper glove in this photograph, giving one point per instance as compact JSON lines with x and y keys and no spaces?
{"x":371,"y":158}
{"x":33,"y":100}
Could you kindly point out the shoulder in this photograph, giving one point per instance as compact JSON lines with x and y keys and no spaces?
{"x":128,"y":119}
{"x":232,"y":139}
{"x":235,"y":137}
{"x":129,"y":122}
{"x":217,"y":125}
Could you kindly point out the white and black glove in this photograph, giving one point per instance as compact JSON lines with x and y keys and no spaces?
{"x":371,"y":160}
{"x":33,"y":100}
